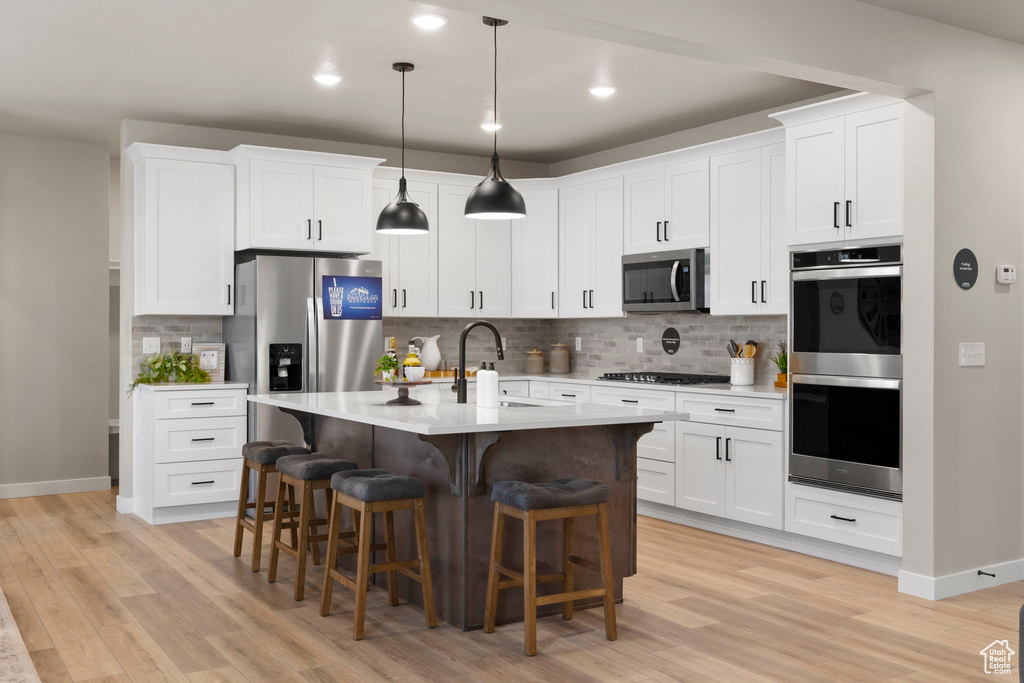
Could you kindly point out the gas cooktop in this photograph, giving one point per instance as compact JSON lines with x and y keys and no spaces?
{"x":664,"y":378}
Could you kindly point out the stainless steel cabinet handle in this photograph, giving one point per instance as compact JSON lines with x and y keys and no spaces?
{"x":725,"y":410}
{"x":665,"y":231}
{"x":205,"y":438}
{"x":657,"y":231}
{"x":762,"y":292}
{"x":843,"y":519}
{"x":202,"y":403}
{"x":309,"y":228}
{"x":200,"y":483}
{"x":849,"y":213}
{"x":727,"y":458}
{"x":835,"y":215}
{"x":718,"y":448}
{"x":319,"y":230}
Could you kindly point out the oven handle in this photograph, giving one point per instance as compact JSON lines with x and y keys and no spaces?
{"x":854,"y":382}
{"x":848,"y":273}
{"x":672,"y":281}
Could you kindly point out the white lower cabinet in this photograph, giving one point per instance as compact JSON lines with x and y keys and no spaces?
{"x":700,"y":468}
{"x":514,"y":387}
{"x":580,"y":393}
{"x":540,"y":389}
{"x":847,"y":518}
{"x":655,"y":481}
{"x":659,"y":444}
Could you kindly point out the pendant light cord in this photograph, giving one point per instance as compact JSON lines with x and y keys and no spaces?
{"x":403,"y":123}
{"x":495,"y":87}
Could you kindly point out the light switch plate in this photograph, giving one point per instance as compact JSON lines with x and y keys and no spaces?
{"x":151,"y":344}
{"x":639,"y":344}
{"x":972,"y":354}
{"x":579,"y":343}
{"x":1006,"y":275}
{"x":186,"y":344}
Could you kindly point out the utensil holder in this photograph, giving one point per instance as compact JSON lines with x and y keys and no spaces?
{"x":741,"y":372}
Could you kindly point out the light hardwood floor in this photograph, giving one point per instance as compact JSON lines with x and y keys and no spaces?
{"x":102,"y":596}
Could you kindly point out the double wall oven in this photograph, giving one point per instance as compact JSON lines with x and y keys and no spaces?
{"x":847,"y":369}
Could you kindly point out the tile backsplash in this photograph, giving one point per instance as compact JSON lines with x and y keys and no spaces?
{"x":170,"y":329}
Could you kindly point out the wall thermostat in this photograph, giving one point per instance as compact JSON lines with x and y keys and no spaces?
{"x":1006,"y":275}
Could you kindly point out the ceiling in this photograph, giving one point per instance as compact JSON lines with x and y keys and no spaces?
{"x":998,"y":18}
{"x":75,"y":69}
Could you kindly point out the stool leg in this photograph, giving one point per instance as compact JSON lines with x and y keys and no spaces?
{"x":362,"y":571}
{"x":530,"y":581}
{"x":243,"y":493}
{"x":291,"y":508}
{"x":568,"y":530}
{"x":392,"y":555}
{"x":424,"y":553}
{"x":275,"y":549}
{"x":610,"y":630}
{"x":491,"y":608}
{"x":257,"y":535}
{"x":304,"y":517}
{"x":331,"y":561}
{"x":315,"y":531}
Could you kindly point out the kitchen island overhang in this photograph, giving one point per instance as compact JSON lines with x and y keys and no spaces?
{"x":460,"y":450}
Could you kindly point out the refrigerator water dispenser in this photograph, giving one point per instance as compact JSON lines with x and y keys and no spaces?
{"x":286,"y":367}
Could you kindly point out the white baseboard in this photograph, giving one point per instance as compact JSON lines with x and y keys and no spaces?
{"x":125,"y":505}
{"x":947,"y":586}
{"x":53,"y":488}
{"x":857,"y":557}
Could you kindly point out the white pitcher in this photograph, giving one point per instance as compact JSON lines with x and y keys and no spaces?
{"x":430,"y":355}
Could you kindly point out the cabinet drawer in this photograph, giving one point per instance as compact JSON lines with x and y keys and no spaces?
{"x":739,"y":412}
{"x":570,"y":392}
{"x":209,"y":403}
{"x":659,"y":443}
{"x":861,"y":521}
{"x":640,"y":398}
{"x":540,"y":389}
{"x":192,"y":483}
{"x":200,"y":438}
{"x":514,"y":388}
{"x":655,"y":481}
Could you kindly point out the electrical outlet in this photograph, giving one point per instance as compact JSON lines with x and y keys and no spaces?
{"x":186,"y":344}
{"x":639,"y":344}
{"x":151,"y":344}
{"x":504,"y":342}
{"x":972,"y":354}
{"x":579,"y":343}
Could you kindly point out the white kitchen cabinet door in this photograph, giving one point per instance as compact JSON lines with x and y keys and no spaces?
{"x":774,"y":251}
{"x":493,"y":263}
{"x":383,"y":192}
{"x":659,"y":443}
{"x":687,"y":206}
{"x":575,"y":248}
{"x":604,"y":298}
{"x":535,"y":257}
{"x":736,"y":230}
{"x":341,"y":210}
{"x":644,"y":196}
{"x":456,"y":255}
{"x":874,"y":173}
{"x":185,"y":222}
{"x":754,"y":476}
{"x":280,"y":205}
{"x":815,"y":181}
{"x":414,"y":259}
{"x":655,"y":481}
{"x":700,"y":475}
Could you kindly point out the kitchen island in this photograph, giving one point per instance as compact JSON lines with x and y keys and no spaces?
{"x":459,"y":451}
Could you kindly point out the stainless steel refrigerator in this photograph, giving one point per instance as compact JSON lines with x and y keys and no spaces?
{"x":302,"y":324}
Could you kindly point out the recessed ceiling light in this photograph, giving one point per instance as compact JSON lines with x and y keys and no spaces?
{"x":602,"y":91}
{"x":429,"y":21}
{"x":491,"y":127}
{"x":327,"y":79}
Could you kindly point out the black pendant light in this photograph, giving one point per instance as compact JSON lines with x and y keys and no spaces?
{"x":402,"y":216}
{"x":494,"y":198}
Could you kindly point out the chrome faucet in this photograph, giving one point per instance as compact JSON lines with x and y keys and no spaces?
{"x":460,"y":385}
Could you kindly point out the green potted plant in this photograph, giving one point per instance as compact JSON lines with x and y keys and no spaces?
{"x":173,"y":366}
{"x":781,"y":361}
{"x":387,"y":366}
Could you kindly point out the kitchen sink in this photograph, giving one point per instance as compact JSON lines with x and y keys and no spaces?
{"x":517,"y":404}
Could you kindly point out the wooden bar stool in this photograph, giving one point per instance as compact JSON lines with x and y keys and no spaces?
{"x":367,"y":492}
{"x":564,"y":499}
{"x":307,"y":473}
{"x":259,"y":457}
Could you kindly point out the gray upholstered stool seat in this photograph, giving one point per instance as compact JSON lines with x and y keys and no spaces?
{"x":268,"y":452}
{"x":308,"y":466}
{"x":560,"y":493}
{"x":375,"y":485}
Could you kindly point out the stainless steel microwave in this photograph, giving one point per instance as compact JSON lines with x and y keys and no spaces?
{"x":666,"y":281}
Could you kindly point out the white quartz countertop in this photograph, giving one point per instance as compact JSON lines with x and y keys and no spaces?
{"x":753,"y":391}
{"x":198,"y":386}
{"x":440,"y":414}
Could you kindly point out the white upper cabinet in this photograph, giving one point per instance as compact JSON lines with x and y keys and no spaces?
{"x":844,"y":176}
{"x":590,"y":249}
{"x":409,"y":261}
{"x":749,"y":271}
{"x":306,"y":201}
{"x":474,"y":260}
{"x":535,"y":257}
{"x":667,"y":208}
{"x":183,"y":214}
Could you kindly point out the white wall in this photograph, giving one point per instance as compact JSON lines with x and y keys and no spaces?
{"x":964,"y":507}
{"x":53,"y":315}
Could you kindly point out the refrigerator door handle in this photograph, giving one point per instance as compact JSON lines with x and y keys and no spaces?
{"x":311,"y":346}
{"x":318,"y":316}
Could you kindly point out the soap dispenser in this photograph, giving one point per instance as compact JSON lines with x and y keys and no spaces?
{"x":486,"y":387}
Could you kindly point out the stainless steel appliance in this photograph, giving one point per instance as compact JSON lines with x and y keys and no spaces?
{"x":666,"y":281}
{"x":846,"y":311}
{"x":285,"y":338}
{"x":846,"y":364}
{"x":675,"y":378}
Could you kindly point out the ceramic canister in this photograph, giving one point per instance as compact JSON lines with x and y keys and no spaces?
{"x":534,"y":362}
{"x":558,"y":361}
